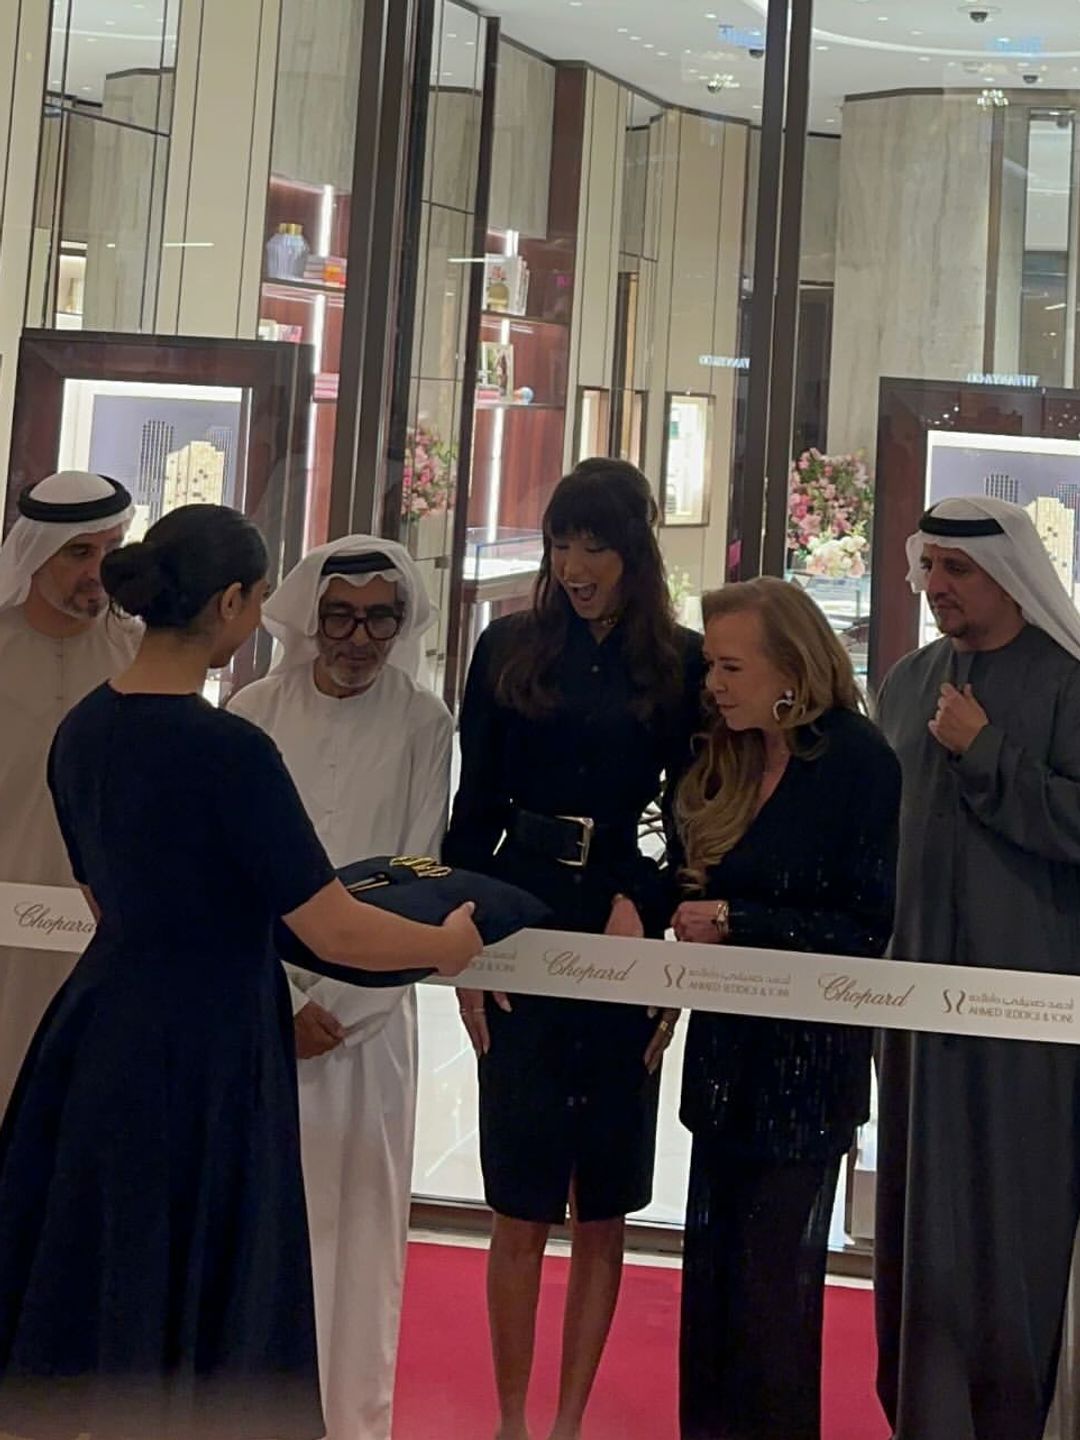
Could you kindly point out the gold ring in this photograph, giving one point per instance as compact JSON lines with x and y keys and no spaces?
{"x":665,"y":1025}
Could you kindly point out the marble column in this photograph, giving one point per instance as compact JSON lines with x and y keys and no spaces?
{"x":128,"y":154}
{"x":24,"y":41}
{"x":521,"y":145}
{"x":592,"y":334}
{"x":219,"y":168}
{"x":697,"y":313}
{"x":911,"y":251}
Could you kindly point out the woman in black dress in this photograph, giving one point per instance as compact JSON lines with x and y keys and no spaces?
{"x":154,"y":1263}
{"x":788,"y":823}
{"x":572,"y":715}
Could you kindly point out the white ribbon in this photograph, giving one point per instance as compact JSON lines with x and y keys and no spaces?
{"x":775,"y":984}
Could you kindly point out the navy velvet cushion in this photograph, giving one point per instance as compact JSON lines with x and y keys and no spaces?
{"x":425,"y":890}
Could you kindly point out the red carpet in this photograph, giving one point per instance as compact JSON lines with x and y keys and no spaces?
{"x":445,"y":1389}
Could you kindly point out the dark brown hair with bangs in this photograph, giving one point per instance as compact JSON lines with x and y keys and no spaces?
{"x":611,"y":503}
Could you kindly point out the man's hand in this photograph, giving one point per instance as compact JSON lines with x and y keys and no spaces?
{"x":317,"y":1032}
{"x":959,"y":719}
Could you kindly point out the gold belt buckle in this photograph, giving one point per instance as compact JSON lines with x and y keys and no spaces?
{"x":585,"y":840}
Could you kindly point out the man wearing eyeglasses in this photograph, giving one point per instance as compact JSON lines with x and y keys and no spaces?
{"x":369,"y":749}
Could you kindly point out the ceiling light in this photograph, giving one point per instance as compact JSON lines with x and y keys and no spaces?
{"x":710,"y":15}
{"x":663,"y":54}
{"x":925,"y":59}
{"x":823,"y":47}
{"x":622,"y":30}
{"x":649,"y":45}
{"x":635,"y":37}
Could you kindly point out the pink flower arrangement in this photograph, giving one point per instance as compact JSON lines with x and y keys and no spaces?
{"x":830,"y":499}
{"x":428,"y":480}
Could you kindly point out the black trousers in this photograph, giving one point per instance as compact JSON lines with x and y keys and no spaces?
{"x":753,"y":1296}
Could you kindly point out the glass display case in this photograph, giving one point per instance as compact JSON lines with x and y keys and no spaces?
{"x":302,"y":301}
{"x":687,"y":480}
{"x":501,"y":566}
{"x":846,"y":603}
{"x":176,"y":421}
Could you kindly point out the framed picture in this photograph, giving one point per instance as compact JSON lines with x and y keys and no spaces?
{"x":176,"y":420}
{"x":942,"y":438}
{"x":686,"y":487}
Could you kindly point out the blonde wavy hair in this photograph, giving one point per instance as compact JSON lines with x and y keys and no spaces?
{"x":718,"y":797}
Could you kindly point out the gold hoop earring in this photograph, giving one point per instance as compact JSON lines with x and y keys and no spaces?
{"x":783,"y":705}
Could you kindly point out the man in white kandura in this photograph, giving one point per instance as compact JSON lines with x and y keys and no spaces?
{"x":57,"y":643}
{"x":369,"y":750}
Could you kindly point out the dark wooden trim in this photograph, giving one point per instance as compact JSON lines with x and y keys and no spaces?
{"x":786,"y":311}
{"x":412,"y":222}
{"x":749,"y":522}
{"x":382,"y":285}
{"x":907,"y":411}
{"x":276,"y":376}
{"x":455,"y":633}
{"x":354,"y":321}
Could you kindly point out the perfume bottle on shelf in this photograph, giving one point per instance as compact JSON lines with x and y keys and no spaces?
{"x":287,"y":253}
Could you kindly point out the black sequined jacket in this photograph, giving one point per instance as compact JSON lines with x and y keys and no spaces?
{"x":815,"y":872}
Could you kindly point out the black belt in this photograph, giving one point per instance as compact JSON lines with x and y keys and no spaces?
{"x":569,"y":839}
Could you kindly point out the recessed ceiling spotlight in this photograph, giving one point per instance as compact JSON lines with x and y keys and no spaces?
{"x":622,"y":30}
{"x":823,"y":47}
{"x":649,"y":45}
{"x":925,"y":59}
{"x":663,"y":54}
{"x":635,"y":37}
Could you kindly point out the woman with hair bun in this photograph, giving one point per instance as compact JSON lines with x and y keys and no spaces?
{"x":154,"y":1261}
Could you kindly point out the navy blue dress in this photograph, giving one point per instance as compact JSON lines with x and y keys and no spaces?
{"x":154,"y":1264}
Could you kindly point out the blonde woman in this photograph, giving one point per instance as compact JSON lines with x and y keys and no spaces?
{"x":788,"y":831}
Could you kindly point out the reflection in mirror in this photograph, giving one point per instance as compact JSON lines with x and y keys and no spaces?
{"x":1047,"y":318}
{"x":422,"y":492}
{"x":102,"y":164}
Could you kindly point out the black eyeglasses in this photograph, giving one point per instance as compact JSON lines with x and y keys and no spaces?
{"x":381,"y":622}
